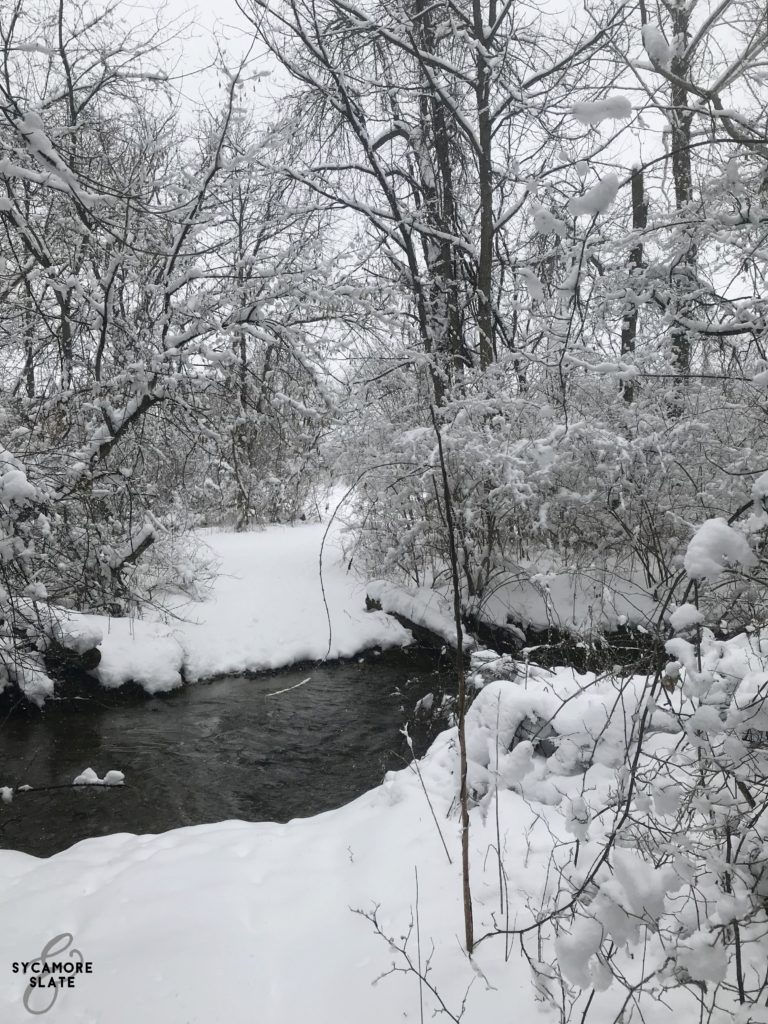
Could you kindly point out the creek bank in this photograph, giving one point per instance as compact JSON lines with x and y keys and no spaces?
{"x":630,"y":647}
{"x":76,"y":682}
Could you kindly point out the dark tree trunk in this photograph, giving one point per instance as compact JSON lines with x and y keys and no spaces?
{"x":629,"y":324}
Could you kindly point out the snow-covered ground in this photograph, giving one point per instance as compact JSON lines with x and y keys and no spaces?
{"x":268,"y":607}
{"x":241,"y":922}
{"x":319,"y":919}
{"x":266,"y":611}
{"x":583,"y":601}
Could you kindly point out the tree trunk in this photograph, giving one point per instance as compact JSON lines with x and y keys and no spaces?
{"x":629,"y":323}
{"x":685,"y":272}
{"x":485,"y":319}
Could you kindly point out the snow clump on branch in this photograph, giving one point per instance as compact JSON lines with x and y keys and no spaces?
{"x":612,"y":108}
{"x":596,"y":199}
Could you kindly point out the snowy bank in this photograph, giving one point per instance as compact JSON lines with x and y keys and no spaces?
{"x":578,"y":601}
{"x":266,"y":611}
{"x":422,"y":607}
{"x":584,"y":603}
{"x":318,"y":919}
{"x":216,"y":922}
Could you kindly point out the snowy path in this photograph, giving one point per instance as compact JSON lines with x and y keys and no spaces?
{"x":266,"y":612}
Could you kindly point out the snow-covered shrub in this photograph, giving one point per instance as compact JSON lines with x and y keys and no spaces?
{"x":176,"y":562}
{"x":654,"y":881}
{"x":598,"y":496}
{"x":24,"y":529}
{"x":675,"y":859}
{"x":672,"y":854}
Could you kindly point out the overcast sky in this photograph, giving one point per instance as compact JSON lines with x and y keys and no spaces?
{"x":210,"y":24}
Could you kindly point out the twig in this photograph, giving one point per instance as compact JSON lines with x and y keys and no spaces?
{"x":463,"y":794}
{"x":418,"y":949}
{"x":415,"y":764}
{"x":276,"y":693}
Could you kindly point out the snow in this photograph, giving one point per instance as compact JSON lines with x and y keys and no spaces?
{"x":685,"y":617}
{"x":596,"y":199}
{"x":421,"y":605}
{"x":591,"y":487}
{"x":308,"y":919}
{"x":546,"y":223}
{"x":424,"y":705}
{"x":29,"y":675}
{"x":266,"y":611}
{"x":197,"y":923}
{"x":749,"y":704}
{"x":205,"y":924}
{"x":575,"y":949}
{"x":533,"y":284}
{"x":73,"y":632}
{"x":611,"y":108}
{"x":656,"y":45}
{"x":90,"y":778}
{"x":139,"y":651}
{"x":760,"y":488}
{"x":714,"y":547}
{"x":146,"y":534}
{"x":582,"y":601}
{"x":577,"y":818}
{"x":15,"y":487}
{"x":703,"y":960}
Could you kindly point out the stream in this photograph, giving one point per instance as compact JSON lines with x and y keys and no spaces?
{"x":230,"y":748}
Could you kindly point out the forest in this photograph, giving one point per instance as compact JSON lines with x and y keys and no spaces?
{"x":476,"y":291}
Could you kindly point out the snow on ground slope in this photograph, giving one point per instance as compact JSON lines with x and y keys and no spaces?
{"x":420,"y":605}
{"x":237,"y":923}
{"x":234,"y":923}
{"x":266,"y":611}
{"x":583,"y":601}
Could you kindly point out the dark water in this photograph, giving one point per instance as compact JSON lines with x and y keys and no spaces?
{"x":213,"y":751}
